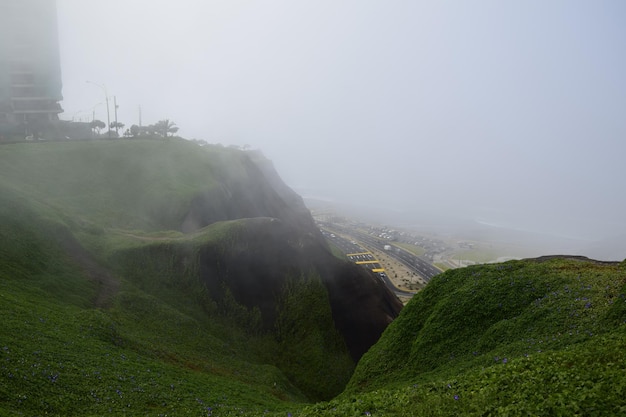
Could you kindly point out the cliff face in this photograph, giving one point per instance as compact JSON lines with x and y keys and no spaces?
{"x":213,"y":233}
{"x":266,"y":252}
{"x":283,"y":240}
{"x":253,"y":190}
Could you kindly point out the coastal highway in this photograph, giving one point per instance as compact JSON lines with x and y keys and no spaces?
{"x":355,"y":252}
{"x":362,"y":256}
{"x":423,"y":268}
{"x":397,"y":291}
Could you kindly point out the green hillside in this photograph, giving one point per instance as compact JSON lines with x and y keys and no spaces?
{"x":534,"y":337}
{"x":61,"y":357}
{"x":140,"y":184}
{"x":110,"y":308}
{"x":148,"y":278}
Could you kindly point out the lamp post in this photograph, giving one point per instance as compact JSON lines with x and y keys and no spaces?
{"x":106,"y":97}
{"x":115,"y":106}
{"x":93,"y":111}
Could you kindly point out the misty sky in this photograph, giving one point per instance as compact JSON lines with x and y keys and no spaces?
{"x":508,"y":112}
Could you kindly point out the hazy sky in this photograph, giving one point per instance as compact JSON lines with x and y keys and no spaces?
{"x":506,"y":111}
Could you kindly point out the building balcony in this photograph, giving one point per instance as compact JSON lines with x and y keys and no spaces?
{"x":27,"y":92}
{"x":24,"y":98}
{"x":22,"y":79}
{"x":36,"y":106}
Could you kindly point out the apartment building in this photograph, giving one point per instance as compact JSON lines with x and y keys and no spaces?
{"x":30,"y":69}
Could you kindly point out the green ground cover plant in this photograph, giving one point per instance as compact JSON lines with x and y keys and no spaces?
{"x":61,"y":356}
{"x":533,"y":337}
{"x":522,"y":336}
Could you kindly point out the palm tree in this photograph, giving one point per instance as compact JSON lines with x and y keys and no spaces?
{"x":97,"y":125}
{"x":164,"y":127}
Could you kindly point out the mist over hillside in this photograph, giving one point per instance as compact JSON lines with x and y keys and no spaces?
{"x":373,"y":208}
{"x":181,"y":256}
{"x":511,"y":113}
{"x":141,"y":276}
{"x":605,"y":241}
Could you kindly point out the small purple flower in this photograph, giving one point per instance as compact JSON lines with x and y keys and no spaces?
{"x":588,"y":305}
{"x":505,"y":360}
{"x":367,"y":413}
{"x":456,"y":398}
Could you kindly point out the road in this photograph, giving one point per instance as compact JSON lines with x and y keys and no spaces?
{"x":362,"y":256}
{"x":422,"y":267}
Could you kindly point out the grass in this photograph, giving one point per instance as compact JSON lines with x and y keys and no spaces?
{"x":337,"y":253}
{"x":310,"y":348}
{"x":303,"y":344}
{"x":508,"y":339}
{"x":163,"y":346}
{"x":547,"y":339}
{"x":60,"y":356}
{"x":138,"y":184}
{"x":74,"y":362}
{"x":443,"y":267}
{"x":511,"y":339}
{"x":586,"y":379}
{"x":481,"y":255}
{"x":415,"y":250}
{"x":524,"y":306}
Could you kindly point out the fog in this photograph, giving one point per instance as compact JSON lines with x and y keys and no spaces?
{"x":506,"y":114}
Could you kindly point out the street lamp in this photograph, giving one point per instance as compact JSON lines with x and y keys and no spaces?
{"x":93,"y":111}
{"x":115,"y":106}
{"x":106,"y":97}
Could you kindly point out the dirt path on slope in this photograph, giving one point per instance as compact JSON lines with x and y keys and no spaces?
{"x":107,"y":285}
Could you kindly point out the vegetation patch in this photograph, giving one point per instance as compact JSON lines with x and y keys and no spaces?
{"x":309,"y":348}
{"x":181,"y":333}
{"x":585,"y":379}
{"x":414,"y":249}
{"x":526,"y":321}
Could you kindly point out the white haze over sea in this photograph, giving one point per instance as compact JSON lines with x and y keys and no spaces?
{"x":434,"y":112}
{"x":520,"y":239}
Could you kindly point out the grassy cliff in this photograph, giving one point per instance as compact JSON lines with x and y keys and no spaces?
{"x":163,"y":278}
{"x":153,"y":277}
{"x":534,"y":337}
